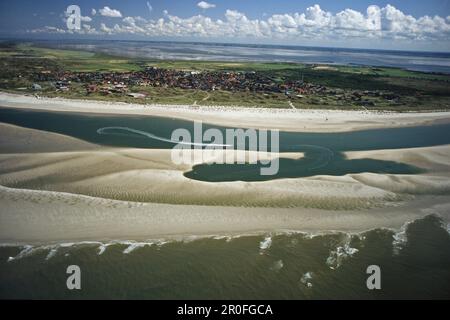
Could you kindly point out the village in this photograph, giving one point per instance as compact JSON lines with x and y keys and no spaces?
{"x":126,"y":83}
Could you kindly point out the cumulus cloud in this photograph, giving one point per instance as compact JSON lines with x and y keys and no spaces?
{"x":104,"y":28}
{"x":86,"y":19}
{"x":108,"y":12}
{"x":205,"y":5}
{"x":93,"y":12}
{"x":47,"y":29}
{"x":85,"y":29}
{"x":315,"y":23}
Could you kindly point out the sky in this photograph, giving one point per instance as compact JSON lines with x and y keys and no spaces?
{"x":394,"y":24}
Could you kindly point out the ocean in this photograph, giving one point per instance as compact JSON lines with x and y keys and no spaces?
{"x":323,"y":152}
{"x":414,"y":264}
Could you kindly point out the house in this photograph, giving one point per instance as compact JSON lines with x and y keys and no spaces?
{"x":36,"y":87}
{"x":137,"y":95}
{"x":91,"y":88}
{"x":63,"y":88}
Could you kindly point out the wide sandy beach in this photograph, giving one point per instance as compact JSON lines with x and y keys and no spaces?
{"x":261,"y":118}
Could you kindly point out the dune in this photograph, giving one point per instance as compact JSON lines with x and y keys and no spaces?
{"x":15,"y":139}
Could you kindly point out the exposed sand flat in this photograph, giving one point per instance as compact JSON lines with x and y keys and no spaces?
{"x":406,"y":184}
{"x":148,"y":175}
{"x":40,"y":217}
{"x":15,"y":139}
{"x":435,"y":159}
{"x":283,"y":119}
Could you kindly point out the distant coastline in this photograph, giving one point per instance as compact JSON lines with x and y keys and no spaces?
{"x":436,"y":62}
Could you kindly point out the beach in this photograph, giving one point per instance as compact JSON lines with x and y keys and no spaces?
{"x":306,"y":120}
{"x":56,"y":188}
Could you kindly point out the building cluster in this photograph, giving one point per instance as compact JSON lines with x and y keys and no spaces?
{"x":120,"y":83}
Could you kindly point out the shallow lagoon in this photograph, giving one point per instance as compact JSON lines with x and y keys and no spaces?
{"x":323,"y":152}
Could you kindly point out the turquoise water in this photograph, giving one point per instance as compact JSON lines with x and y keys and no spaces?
{"x":323,"y":152}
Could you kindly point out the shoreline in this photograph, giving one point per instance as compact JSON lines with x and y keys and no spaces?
{"x":48,"y":217}
{"x":298,"y":120}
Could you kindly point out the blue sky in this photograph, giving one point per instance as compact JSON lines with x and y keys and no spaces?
{"x":394,"y":24}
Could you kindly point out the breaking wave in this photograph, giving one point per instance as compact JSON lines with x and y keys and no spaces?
{"x":265,"y":244}
{"x":340,"y":254}
{"x":341,"y":251}
{"x":306,"y":279}
{"x":400,"y":238}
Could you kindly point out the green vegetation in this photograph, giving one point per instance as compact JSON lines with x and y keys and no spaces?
{"x":80,"y":61}
{"x":372,"y":86}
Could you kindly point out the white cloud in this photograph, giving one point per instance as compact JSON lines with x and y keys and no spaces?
{"x":87,"y":29}
{"x":108,"y":12}
{"x":105,"y":29}
{"x":93,"y":12}
{"x":205,"y":5}
{"x":86,"y":19}
{"x":315,"y":23}
{"x":47,"y":29}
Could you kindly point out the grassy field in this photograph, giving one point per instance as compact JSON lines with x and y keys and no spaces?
{"x":80,"y":61}
{"x":414,"y":90}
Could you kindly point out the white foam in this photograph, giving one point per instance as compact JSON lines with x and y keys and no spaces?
{"x":277,"y":265}
{"x":135,"y":245}
{"x":265,"y":244}
{"x":400,"y":238}
{"x":306,"y":279}
{"x":52,"y":249}
{"x":230,"y":238}
{"x":341,"y":253}
{"x":51,"y":253}
{"x":103,"y":246}
{"x":26,"y":251}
